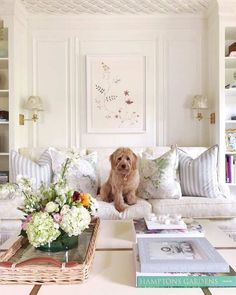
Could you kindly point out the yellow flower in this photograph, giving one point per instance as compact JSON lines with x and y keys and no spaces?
{"x":85,"y":199}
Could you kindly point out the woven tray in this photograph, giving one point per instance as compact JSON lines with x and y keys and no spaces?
{"x":49,"y":268}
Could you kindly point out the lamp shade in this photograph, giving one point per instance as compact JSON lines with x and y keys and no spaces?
{"x":199,"y":102}
{"x":34,"y":103}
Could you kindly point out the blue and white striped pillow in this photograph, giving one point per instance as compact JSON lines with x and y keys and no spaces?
{"x":40,"y":171}
{"x":198,"y":177}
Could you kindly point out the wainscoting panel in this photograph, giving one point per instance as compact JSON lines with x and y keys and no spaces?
{"x":176,"y":69}
{"x":51,"y":81}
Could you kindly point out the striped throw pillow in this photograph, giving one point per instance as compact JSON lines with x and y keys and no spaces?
{"x":40,"y":172}
{"x":198,"y":177}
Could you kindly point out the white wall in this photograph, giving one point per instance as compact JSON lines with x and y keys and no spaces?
{"x":176,"y":70}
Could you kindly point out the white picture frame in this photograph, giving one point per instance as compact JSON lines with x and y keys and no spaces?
{"x":116,"y":93}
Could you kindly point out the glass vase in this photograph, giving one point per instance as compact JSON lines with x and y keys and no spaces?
{"x":62,"y":243}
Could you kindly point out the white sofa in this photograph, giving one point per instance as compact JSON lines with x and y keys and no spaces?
{"x":196,"y":207}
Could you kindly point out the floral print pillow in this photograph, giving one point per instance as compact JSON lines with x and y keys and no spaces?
{"x":158,"y":177}
{"x":82,"y":174}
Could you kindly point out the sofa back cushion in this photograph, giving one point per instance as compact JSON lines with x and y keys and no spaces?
{"x":82,"y":173}
{"x":158,"y":176}
{"x":40,"y":171}
{"x":198,"y":177}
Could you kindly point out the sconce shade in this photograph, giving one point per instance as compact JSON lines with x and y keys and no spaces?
{"x":199,"y":102}
{"x":34,"y":103}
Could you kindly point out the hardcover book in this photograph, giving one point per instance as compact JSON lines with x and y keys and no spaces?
{"x":155,"y":225}
{"x":183,"y":280}
{"x":194,"y":229}
{"x":179,"y":255}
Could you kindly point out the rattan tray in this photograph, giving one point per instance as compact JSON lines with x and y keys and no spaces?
{"x":22,"y":264}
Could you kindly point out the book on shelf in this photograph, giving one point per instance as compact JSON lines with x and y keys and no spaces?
{"x":178,"y":279}
{"x":230,"y":169}
{"x":3,"y":177}
{"x":194,"y":229}
{"x":183,"y":254}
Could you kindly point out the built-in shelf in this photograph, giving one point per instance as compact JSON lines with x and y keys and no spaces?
{"x":4,"y":93}
{"x":230,"y":91}
{"x":230,"y":121}
{"x":3,"y":62}
{"x":231,"y":184}
{"x":230,"y":153}
{"x":4,"y":154}
{"x":230,"y":62}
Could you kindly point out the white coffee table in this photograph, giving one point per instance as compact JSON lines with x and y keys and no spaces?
{"x":113,"y":268}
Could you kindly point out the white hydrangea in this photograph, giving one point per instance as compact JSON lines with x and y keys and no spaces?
{"x":42,"y":229}
{"x":51,"y":207}
{"x":75,"y":220}
{"x":93,"y":206}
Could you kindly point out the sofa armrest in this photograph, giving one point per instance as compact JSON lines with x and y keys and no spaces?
{"x":224,"y":189}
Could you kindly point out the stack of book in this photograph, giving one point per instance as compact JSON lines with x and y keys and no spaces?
{"x":144,"y":228}
{"x":230,"y":169}
{"x":3,"y":177}
{"x":180,"y":262}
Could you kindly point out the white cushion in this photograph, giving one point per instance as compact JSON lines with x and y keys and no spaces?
{"x":107,"y":210}
{"x":81,"y":175}
{"x":195,"y":207}
{"x":34,"y":154}
{"x":158,"y":178}
{"x":198,"y":177}
{"x":40,"y":172}
{"x":8,"y":209}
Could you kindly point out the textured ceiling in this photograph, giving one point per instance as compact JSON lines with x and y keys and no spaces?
{"x":115,"y":7}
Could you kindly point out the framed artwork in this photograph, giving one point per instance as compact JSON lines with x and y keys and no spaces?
{"x":116,"y":94}
{"x":230,"y":140}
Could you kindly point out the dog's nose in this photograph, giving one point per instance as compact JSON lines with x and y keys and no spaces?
{"x":123,"y":166}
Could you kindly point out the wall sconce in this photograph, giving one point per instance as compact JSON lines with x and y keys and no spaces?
{"x":200,"y":103}
{"x":34,"y":103}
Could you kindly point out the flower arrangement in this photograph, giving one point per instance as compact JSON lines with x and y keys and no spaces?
{"x":51,"y":212}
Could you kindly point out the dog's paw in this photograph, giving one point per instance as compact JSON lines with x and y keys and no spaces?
{"x":131,"y":202}
{"x":121,"y":207}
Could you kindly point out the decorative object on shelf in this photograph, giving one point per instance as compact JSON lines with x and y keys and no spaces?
{"x":116,"y":94}
{"x":232,"y":49}
{"x":4,"y":116}
{"x":199,"y":103}
{"x":34,"y":103}
{"x":53,"y":212}
{"x":3,"y":43}
{"x":230,"y":140}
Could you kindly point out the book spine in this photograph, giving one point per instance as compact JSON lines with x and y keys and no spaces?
{"x":227,"y":169}
{"x":234,"y":170}
{"x":231,"y":158}
{"x":185,"y":281}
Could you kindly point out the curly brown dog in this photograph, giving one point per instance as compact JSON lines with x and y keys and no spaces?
{"x":123,"y":180}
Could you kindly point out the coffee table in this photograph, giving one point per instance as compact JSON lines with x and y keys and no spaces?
{"x":113,"y":267}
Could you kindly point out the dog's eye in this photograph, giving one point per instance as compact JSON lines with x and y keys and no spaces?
{"x":119,"y":159}
{"x":128,"y":158}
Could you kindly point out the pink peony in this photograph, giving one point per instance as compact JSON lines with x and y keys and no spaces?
{"x":57,"y":217}
{"x":26,"y":222}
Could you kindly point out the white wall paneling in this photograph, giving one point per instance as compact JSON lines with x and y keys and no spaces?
{"x":51,"y":80}
{"x":184,"y":78}
{"x":175,"y":71}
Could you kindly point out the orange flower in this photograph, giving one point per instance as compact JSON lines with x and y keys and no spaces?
{"x":85,"y":199}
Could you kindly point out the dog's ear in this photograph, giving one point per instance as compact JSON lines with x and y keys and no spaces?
{"x":112,"y":159}
{"x":135,"y":162}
